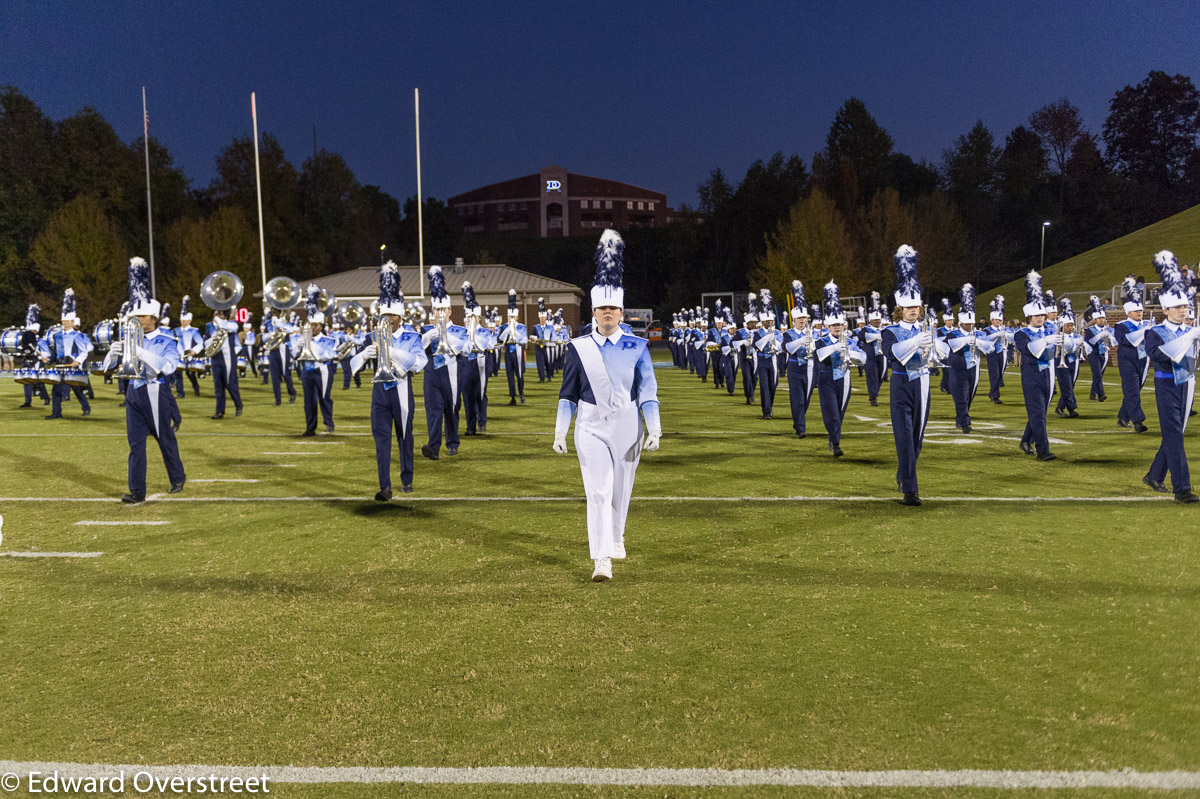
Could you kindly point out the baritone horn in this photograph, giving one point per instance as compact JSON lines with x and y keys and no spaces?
{"x":220,"y":291}
{"x":385,"y":371}
{"x":351,"y":313}
{"x":282,"y":294}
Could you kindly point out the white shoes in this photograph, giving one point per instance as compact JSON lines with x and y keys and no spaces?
{"x":603,"y":570}
{"x":619,"y":549}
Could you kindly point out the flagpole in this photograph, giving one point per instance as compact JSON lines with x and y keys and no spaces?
{"x":262,"y":246}
{"x":149,"y":216}
{"x":420,"y":227}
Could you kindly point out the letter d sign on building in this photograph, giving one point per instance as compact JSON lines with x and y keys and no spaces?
{"x":554,"y":185}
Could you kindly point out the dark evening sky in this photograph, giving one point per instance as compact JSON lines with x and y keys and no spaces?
{"x":655,"y":94}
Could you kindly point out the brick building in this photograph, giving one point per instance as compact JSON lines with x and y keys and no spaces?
{"x":554,"y":203}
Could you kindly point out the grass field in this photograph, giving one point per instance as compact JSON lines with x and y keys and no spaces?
{"x":747,"y":629}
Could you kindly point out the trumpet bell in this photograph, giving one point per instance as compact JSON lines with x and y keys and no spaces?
{"x":221,"y":290}
{"x":282,"y":293}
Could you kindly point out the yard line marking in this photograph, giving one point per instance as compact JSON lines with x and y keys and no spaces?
{"x":689,"y":777}
{"x":118,"y":524}
{"x":290,"y":453}
{"x":50,"y":554}
{"x":264,"y":465}
{"x":580,"y":499}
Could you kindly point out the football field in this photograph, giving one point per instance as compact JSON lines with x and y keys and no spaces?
{"x":781,"y":624}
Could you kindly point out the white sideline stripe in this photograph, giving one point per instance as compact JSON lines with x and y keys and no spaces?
{"x":120,"y":524}
{"x":892,"y":498}
{"x":290,"y":453}
{"x":689,"y":777}
{"x":50,"y":554}
{"x":264,"y":466}
{"x":318,"y":443}
{"x":224,"y":480}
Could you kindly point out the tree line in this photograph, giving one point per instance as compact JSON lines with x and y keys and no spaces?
{"x":73,"y":208}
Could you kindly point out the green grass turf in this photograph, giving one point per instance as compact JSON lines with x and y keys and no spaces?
{"x":745,"y":634}
{"x":1101,"y":268}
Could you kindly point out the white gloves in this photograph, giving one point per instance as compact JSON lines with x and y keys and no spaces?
{"x":560,"y":445}
{"x":1058,"y":339}
{"x":117,"y":347}
{"x":651,"y":444}
{"x":369,"y":352}
{"x":971,"y":340}
{"x":925,"y":339}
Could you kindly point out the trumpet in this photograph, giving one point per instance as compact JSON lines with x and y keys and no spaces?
{"x":220,"y":291}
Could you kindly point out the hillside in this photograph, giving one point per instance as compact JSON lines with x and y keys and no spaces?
{"x":1099,"y":269}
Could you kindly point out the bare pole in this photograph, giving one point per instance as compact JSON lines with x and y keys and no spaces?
{"x":420,"y":225}
{"x":149,"y":216}
{"x":262,"y":245}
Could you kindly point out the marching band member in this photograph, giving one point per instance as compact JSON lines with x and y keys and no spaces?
{"x":441,"y":389}
{"x":191,"y":345}
{"x":1172,"y":346}
{"x":313,"y":357}
{"x":908,"y":349}
{"x":942,"y":333}
{"x":279,"y":360}
{"x":1037,"y":348}
{"x":767,"y":343}
{"x":835,"y":352}
{"x":608,"y":378}
{"x":744,"y":341}
{"x":392,"y":400}
{"x":542,"y":333}
{"x":699,"y":343}
{"x":1050,"y":303}
{"x":29,"y":354}
{"x":515,"y":338}
{"x":1132,"y":363}
{"x":358,"y":338}
{"x":727,"y":355}
{"x":1099,"y":338}
{"x":224,"y":363}
{"x":474,"y":374}
{"x":495,"y":353}
{"x":798,"y":343}
{"x":712,"y":345}
{"x":67,"y":347}
{"x":871,"y":342}
{"x":965,"y":348}
{"x":149,"y":410}
{"x":248,"y":348}
{"x":1067,"y":365}
{"x":996,"y":333}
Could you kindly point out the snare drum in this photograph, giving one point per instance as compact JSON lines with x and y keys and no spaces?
{"x":10,"y":341}
{"x":106,"y":332}
{"x":77,"y":378}
{"x":51,"y":376}
{"x":27,"y":376}
{"x":97,"y":368}
{"x":198,"y":365}
{"x":241,"y":363}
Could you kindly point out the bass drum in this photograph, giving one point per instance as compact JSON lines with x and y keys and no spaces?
{"x":105,"y":333}
{"x":77,"y":378}
{"x":10,"y":340}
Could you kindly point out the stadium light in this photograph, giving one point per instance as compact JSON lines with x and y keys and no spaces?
{"x":1042,"y":259}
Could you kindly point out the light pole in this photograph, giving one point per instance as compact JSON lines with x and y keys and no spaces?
{"x":1042,"y":259}
{"x":382,"y":251}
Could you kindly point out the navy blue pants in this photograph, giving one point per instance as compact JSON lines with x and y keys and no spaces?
{"x":225,"y":379}
{"x":139,"y":423}
{"x":1174,"y":403}
{"x":543,"y":369}
{"x":514,"y":364}
{"x":346,"y":376}
{"x":701,"y":357}
{"x":61,"y":391}
{"x":909,"y":400}
{"x":799,"y":393}
{"x":179,"y":381}
{"x":316,"y":396}
{"x":441,"y":406}
{"x":1097,"y":362}
{"x":834,"y":396}
{"x":767,"y":382}
{"x":35,"y":388}
{"x":472,"y":389}
{"x":728,"y":375}
{"x":873,"y":372}
{"x":1035,"y":385}
{"x":1133,"y":373}
{"x":748,"y":380}
{"x":995,"y":362}
{"x":386,"y":414}
{"x":962,"y":389}
{"x":714,"y":365}
{"x":279,"y":374}
{"x":1066,"y":377}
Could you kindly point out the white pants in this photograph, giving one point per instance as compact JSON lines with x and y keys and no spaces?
{"x":609,"y":448}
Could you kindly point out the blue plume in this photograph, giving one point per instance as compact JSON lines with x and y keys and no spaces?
{"x":165,"y":313}
{"x":999,"y":301}
{"x":815,"y":313}
{"x":798,"y":298}
{"x":1095,"y":307}
{"x":512,"y":299}
{"x":966,"y":299}
{"x":468,"y":296}
{"x":541,"y":305}
{"x":437,"y":284}
{"x":906,"y":271}
{"x":389,"y":284}
{"x":1067,"y":308}
{"x":875,"y":305}
{"x":765,"y":301}
{"x":68,"y":302}
{"x":1130,"y":291}
{"x":947,"y":308}
{"x":752,"y":304}
{"x":720,"y":311}
{"x":729,"y":317}
{"x":139,"y":281}
{"x":831,"y":300}
{"x":185,"y":305}
{"x":610,"y":260}
{"x":1167,"y":267}
{"x":1048,"y":298}
{"x":1033,"y":289}
{"x":314,"y":291}
{"x":32,"y":313}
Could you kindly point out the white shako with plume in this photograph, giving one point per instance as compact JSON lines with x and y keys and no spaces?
{"x":140,"y":301}
{"x":1066,"y":314}
{"x":1131,"y":294}
{"x":469,"y":301}
{"x":608,"y":289}
{"x":68,"y":306}
{"x":185,"y":308}
{"x":437,"y":288}
{"x":542,"y":307}
{"x":31,"y":317}
{"x":947,"y":309}
{"x":799,"y":302}
{"x":1035,"y":300}
{"x":966,"y":302}
{"x":719,"y":312}
{"x":1095,"y":308}
{"x":833,"y":313}
{"x":908,"y":289}
{"x":766,"y":306}
{"x":513,"y":312}
{"x":391,"y":301}
{"x":875,"y":307}
{"x":165,"y":317}
{"x":312,"y":294}
{"x":997,"y":306}
{"x":751,"y":314}
{"x":1174,"y":290}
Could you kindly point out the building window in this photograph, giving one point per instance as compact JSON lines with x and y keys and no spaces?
{"x":641,"y":206}
{"x":650,"y":206}
{"x":629,"y":205}
{"x":584,"y":204}
{"x":525,"y":206}
{"x":608,"y":203}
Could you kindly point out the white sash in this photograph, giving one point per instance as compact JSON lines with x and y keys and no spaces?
{"x":602,"y":387}
{"x":152,"y":389}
